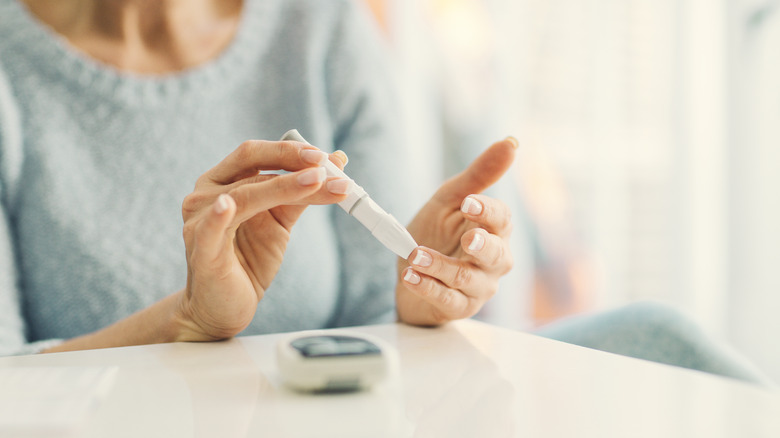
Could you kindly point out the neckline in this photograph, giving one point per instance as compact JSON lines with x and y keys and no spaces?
{"x":92,"y":75}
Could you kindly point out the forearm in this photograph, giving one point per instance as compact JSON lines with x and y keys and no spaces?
{"x":158,"y":323}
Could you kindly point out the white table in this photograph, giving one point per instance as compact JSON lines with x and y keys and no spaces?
{"x":466,"y":379}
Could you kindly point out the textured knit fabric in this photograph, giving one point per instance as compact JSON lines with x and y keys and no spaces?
{"x":94,"y":165}
{"x":655,"y":332}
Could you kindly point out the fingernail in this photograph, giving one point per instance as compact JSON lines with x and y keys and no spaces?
{"x":477,"y":242}
{"x":422,"y":259}
{"x":514,"y":141}
{"x":342,"y":156}
{"x":312,"y":176}
{"x":339,"y":186}
{"x":412,"y":277}
{"x":222,"y":204}
{"x":313,"y":156}
{"x":471,"y":206}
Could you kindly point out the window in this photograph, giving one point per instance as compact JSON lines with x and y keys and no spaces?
{"x":662,"y":118}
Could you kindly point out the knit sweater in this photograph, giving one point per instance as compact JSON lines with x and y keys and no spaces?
{"x":95,"y":162}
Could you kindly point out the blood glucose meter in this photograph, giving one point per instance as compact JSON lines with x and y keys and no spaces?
{"x":329,"y":361}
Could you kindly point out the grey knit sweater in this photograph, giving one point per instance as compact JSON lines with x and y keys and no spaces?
{"x":94,"y":165}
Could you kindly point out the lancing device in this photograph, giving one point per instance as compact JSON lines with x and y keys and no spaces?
{"x":383,"y":226}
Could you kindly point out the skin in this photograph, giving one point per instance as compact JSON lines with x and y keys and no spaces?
{"x":143,"y":36}
{"x":237,"y":220}
{"x":450,"y":278}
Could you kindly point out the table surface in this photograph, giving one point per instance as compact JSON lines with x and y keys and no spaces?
{"x":465,"y":379}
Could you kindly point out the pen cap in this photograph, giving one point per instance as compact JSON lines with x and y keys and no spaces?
{"x":395,"y":237}
{"x":384,"y":227}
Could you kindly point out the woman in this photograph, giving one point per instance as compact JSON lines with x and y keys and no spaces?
{"x":111,"y":110}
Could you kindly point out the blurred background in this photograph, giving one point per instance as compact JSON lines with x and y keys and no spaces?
{"x":649,"y":165}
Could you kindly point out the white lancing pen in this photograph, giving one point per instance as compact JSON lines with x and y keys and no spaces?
{"x":383,"y":226}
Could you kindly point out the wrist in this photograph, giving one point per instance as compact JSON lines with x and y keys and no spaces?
{"x":173,"y":322}
{"x":414,"y":311}
{"x":185,"y":326}
{"x":182,"y":325}
{"x":420,"y":320}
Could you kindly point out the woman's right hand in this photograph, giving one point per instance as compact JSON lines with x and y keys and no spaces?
{"x":237,"y":224}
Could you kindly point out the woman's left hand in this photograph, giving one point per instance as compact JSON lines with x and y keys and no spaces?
{"x":464,"y":250}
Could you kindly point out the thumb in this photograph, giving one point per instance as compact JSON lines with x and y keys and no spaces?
{"x":482,"y":173}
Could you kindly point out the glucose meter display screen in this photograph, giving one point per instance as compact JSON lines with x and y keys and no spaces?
{"x":330,"y":346}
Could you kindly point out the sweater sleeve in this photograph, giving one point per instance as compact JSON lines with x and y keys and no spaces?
{"x":367,"y":127}
{"x":13,"y":338}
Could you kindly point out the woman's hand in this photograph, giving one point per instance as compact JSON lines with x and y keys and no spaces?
{"x":237,"y":224}
{"x":464,"y":250}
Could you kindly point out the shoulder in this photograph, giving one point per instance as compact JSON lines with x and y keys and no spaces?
{"x":337,"y":42}
{"x":331,"y":23}
{"x":322,"y":11}
{"x":13,"y":20}
{"x":343,"y":33}
{"x":23,"y":39}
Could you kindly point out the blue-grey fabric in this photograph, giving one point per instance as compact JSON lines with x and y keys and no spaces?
{"x":94,"y":165}
{"x":655,"y":332}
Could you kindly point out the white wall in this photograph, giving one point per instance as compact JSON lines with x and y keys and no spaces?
{"x":663,"y":117}
{"x":754,"y":259}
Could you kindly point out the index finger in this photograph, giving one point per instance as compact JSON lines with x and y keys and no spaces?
{"x":254,"y":156}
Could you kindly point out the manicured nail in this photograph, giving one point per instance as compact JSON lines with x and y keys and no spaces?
{"x":222,"y":204}
{"x":412,"y":277}
{"x":514,"y":141}
{"x":339,"y":186}
{"x":313,"y":156}
{"x":342,"y":156}
{"x":422,"y":259}
{"x":312,"y":176}
{"x":477,"y":242}
{"x":471,"y":206}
